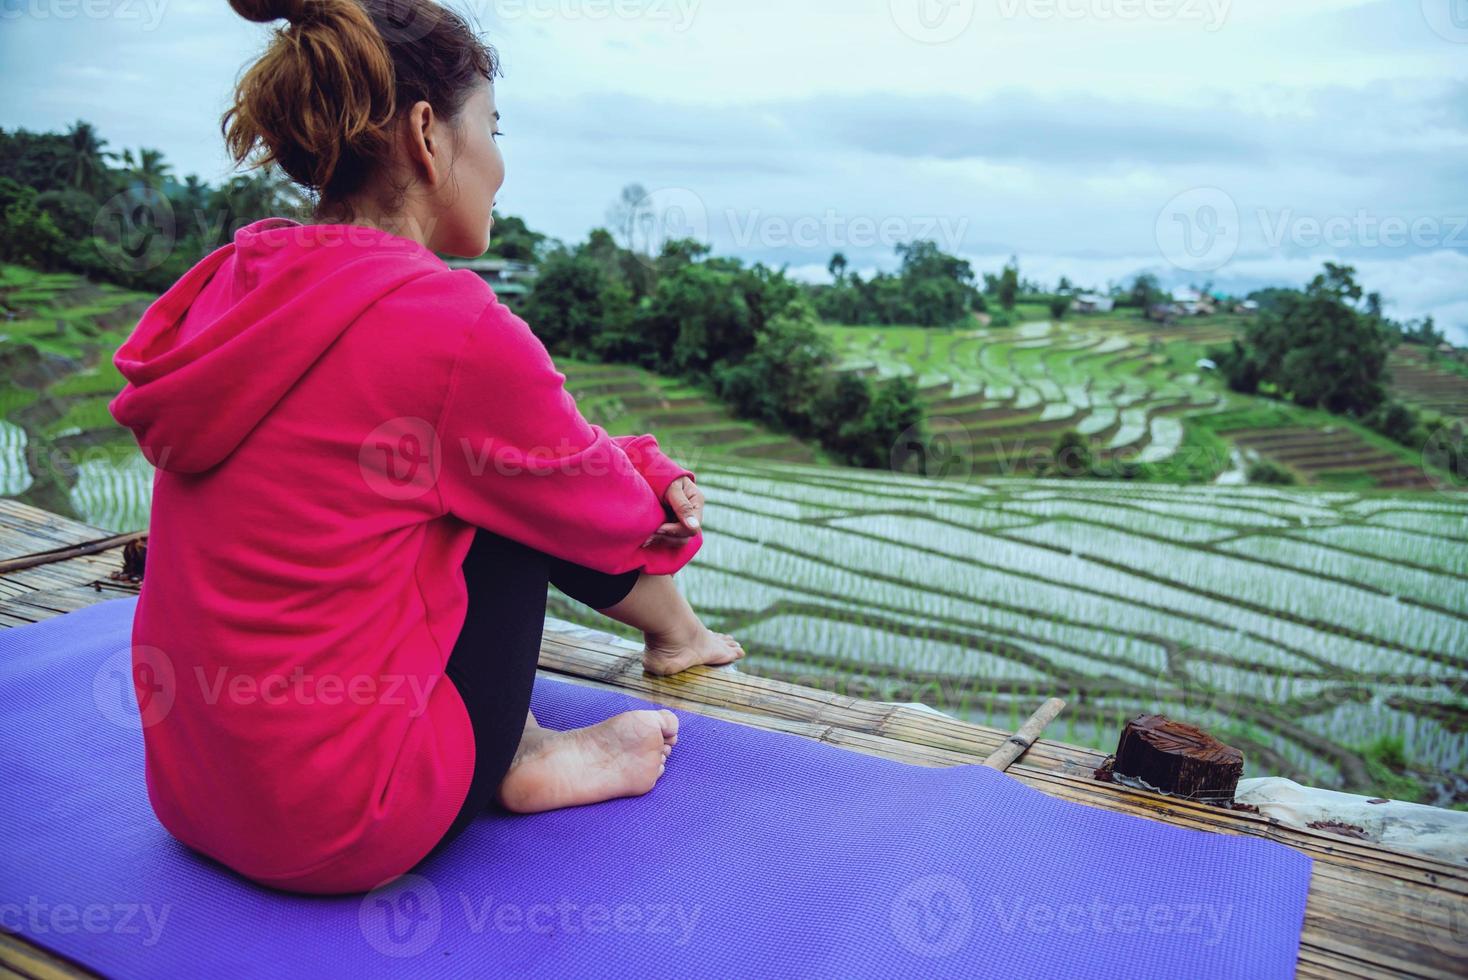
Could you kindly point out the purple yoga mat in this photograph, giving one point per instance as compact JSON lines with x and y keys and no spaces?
{"x":757,"y":855}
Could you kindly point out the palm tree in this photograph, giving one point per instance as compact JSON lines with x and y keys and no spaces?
{"x":149,"y":170}
{"x":84,"y":165}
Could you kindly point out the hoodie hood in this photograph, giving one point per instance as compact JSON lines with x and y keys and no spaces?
{"x":214,"y":354}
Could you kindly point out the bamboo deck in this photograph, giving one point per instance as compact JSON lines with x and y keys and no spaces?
{"x":1372,"y":911}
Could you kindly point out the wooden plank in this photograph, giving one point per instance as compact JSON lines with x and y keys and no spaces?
{"x":25,"y":960}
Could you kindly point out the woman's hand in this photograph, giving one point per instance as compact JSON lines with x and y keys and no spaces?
{"x":685,"y":502}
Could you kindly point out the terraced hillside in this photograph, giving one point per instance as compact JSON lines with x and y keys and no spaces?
{"x":1333,"y":454}
{"x":1434,"y":386}
{"x":1298,"y":624}
{"x":689,"y":424}
{"x":59,"y":447}
{"x":1134,"y":390}
{"x":1001,"y":396}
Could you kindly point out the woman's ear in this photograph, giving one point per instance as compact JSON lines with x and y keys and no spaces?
{"x":424,"y":149}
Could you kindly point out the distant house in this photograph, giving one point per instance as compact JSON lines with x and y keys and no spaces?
{"x":1191,"y":302}
{"x":510,"y":280}
{"x":1093,"y":303}
{"x":1247,"y":307}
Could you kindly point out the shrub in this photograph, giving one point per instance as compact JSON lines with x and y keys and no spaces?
{"x":1267,"y":471}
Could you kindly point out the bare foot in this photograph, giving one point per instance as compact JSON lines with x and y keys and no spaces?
{"x":675,"y":637}
{"x":669,"y":653}
{"x":622,"y":756}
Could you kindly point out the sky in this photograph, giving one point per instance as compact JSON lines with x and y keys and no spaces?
{"x":1238,"y":142}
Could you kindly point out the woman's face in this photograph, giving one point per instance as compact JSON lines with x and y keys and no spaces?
{"x":464,"y":199}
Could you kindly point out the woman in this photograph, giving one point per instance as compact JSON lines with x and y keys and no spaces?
{"x":368,"y":470}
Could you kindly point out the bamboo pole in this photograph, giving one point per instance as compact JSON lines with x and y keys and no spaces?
{"x":70,"y":551}
{"x":1017,"y":744}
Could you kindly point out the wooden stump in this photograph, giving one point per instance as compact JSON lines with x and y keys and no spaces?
{"x":1180,"y":759}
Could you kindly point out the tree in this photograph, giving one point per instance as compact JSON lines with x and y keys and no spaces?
{"x":1058,"y":307}
{"x":1145,"y":291}
{"x":575,"y":306}
{"x":1007,"y":287}
{"x":837,"y":268}
{"x":85,"y":164}
{"x":629,"y":212}
{"x":147,"y":169}
{"x":1316,"y":348}
{"x":1071,"y":456}
{"x":1423,"y":332}
{"x":695,"y":318}
{"x":513,"y":240}
{"x":895,"y":412}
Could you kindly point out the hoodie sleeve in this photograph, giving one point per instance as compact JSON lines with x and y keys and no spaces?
{"x":657,"y":469}
{"x":519,"y":459}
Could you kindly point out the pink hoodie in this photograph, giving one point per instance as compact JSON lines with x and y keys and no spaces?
{"x":332,"y":412}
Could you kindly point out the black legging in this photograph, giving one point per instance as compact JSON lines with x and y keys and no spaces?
{"x":494,"y":659}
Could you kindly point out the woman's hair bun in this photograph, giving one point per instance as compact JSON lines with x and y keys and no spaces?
{"x":265,"y":11}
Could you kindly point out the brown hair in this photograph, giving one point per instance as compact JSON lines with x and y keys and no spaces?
{"x":321,"y":101}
